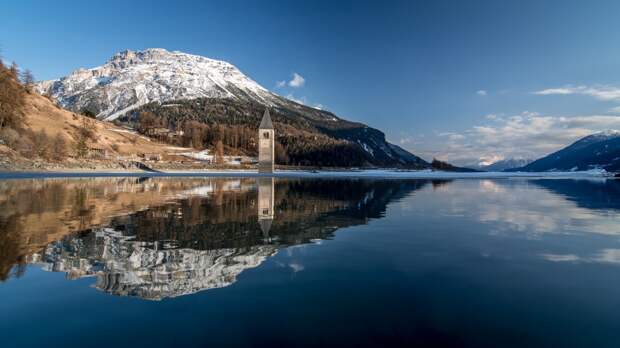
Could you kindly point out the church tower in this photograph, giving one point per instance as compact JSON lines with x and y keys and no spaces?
{"x":266,"y":139}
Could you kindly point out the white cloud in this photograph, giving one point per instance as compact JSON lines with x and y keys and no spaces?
{"x":615,"y":110}
{"x":481,"y":92}
{"x":297,"y":81}
{"x":280,"y":84}
{"x":601,"y":92}
{"x":527,"y":135}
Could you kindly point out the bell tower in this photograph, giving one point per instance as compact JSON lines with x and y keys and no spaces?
{"x":266,"y":139}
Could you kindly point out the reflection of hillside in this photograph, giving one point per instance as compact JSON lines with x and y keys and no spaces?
{"x":126,"y":268}
{"x":590,"y":194}
{"x":163,"y":238}
{"x":34,"y":213}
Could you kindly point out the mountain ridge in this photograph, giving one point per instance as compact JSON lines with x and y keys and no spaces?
{"x":152,"y":80}
{"x":600,"y":150}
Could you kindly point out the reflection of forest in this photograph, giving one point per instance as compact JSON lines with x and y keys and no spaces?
{"x":158,"y":238}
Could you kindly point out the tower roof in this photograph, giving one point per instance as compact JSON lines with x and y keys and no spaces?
{"x":265,"y":226}
{"x":266,"y":122}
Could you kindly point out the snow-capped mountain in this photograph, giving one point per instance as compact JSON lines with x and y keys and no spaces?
{"x":134,"y":78}
{"x":599,"y":150}
{"x":505,"y":164}
{"x":190,"y":87}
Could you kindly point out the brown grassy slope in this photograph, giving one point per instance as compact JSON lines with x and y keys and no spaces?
{"x":42,"y":114}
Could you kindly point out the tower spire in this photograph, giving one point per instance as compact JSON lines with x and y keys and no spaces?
{"x":266,"y":122}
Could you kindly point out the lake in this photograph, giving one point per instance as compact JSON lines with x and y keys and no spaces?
{"x":194,"y":262}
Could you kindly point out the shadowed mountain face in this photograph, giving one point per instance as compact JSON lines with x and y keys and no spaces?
{"x":600,"y":150}
{"x":159,"y":238}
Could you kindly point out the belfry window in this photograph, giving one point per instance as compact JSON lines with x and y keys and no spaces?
{"x":266,"y":135}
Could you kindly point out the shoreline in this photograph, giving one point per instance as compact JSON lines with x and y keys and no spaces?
{"x":352,"y":174}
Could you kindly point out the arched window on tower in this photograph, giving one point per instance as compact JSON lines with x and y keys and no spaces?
{"x":266,"y":135}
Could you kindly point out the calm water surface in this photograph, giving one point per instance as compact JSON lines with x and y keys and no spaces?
{"x":182,"y":262}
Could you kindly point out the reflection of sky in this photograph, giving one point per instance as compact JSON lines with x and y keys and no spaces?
{"x":525,"y":207}
{"x":611,"y":256}
{"x":564,"y":229}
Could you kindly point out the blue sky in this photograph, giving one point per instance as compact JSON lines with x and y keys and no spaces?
{"x":461,"y":80}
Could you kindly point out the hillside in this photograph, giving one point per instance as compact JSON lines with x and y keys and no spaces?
{"x":177,"y":88}
{"x":41,"y":116}
{"x":599,"y":150}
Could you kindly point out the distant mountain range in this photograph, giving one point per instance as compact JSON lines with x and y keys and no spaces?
{"x":179,"y":87}
{"x":597,"y":151}
{"x":499,"y":166}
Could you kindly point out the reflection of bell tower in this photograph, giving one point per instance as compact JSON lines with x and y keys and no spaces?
{"x":266,"y":144}
{"x":265,"y":204}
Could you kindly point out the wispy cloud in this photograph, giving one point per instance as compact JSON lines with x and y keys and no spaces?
{"x":481,"y":92}
{"x":527,"y":135}
{"x":280,"y":84}
{"x":297,"y":81}
{"x":601,"y":92}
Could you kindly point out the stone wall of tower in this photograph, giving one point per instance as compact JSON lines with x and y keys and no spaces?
{"x":265,"y":198}
{"x":266,"y":155}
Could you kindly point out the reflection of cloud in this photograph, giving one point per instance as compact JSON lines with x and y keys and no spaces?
{"x":603,"y":256}
{"x":527,"y":208}
{"x":559,"y":257}
{"x":491,"y":186}
{"x":296,"y":267}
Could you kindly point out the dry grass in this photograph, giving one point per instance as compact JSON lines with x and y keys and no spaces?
{"x":42,"y":114}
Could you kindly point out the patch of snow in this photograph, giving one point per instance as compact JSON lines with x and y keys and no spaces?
{"x":200,"y":155}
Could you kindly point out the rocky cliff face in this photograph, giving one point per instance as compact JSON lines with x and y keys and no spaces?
{"x":131,"y":79}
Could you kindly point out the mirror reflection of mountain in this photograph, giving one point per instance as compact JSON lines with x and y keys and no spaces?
{"x":159,"y":238}
{"x":590,"y":194}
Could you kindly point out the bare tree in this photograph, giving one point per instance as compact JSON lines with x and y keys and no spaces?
{"x":42,"y":144}
{"x":11,"y":98}
{"x":280,"y":153}
{"x":59,"y":148}
{"x":85,"y":132}
{"x":27,"y":79}
{"x":14,"y":70}
{"x":219,"y":152}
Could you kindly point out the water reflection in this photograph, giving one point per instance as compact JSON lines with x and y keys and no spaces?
{"x":159,"y":238}
{"x":156,"y":238}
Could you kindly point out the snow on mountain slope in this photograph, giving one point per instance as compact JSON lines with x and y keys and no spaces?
{"x":599,"y":150}
{"x":134,"y":78}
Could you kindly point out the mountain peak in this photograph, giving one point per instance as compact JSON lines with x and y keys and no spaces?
{"x":131,"y":79}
